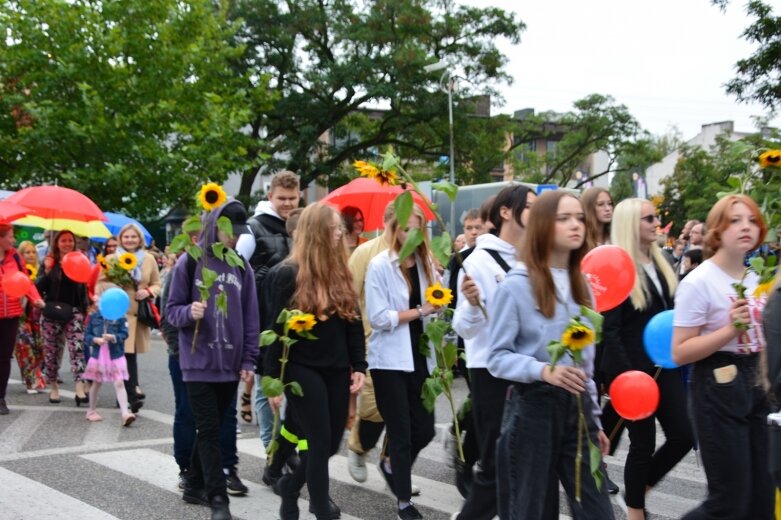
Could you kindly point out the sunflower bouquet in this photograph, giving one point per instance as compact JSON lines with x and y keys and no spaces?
{"x":292,"y":321}
{"x":32,"y":271}
{"x":117,"y":269}
{"x":766,"y":270}
{"x":581,"y":331}
{"x":211,"y":196}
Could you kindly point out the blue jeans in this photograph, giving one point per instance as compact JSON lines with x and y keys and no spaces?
{"x":184,"y":424}
{"x":264,"y":414}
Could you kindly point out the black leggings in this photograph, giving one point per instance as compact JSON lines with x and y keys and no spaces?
{"x":132,"y":381}
{"x":321,"y":415}
{"x":409,"y":426}
{"x":8,"y":328}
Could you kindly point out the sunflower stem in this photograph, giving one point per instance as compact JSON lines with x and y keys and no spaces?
{"x":195,"y":334}
{"x":579,"y":455}
{"x":449,"y":396}
{"x":275,"y":427}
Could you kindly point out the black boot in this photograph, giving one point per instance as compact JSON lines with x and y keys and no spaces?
{"x":288,"y":509}
{"x":220,"y":510}
{"x":333,"y":512}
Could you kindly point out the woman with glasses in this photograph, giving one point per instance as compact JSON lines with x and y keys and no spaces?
{"x":353,"y":225}
{"x":634,"y":230}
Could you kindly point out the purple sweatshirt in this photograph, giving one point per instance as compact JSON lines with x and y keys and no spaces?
{"x":225,"y":344}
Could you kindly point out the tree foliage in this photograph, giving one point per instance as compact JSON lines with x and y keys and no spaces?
{"x":132,"y":102}
{"x":331,"y":62}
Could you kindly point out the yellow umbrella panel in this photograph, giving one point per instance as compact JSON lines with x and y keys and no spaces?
{"x":91,"y":229}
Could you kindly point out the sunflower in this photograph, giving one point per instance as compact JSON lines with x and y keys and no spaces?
{"x":437,"y":295}
{"x":770,"y":158}
{"x":577,"y":336}
{"x":128,"y":261}
{"x":366,"y":169}
{"x":301,"y":322}
{"x":32,"y":271}
{"x":103,"y":263}
{"x":212,"y":196}
{"x":388,"y":177}
{"x":763,"y":289}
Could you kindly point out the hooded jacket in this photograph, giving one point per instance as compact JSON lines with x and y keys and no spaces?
{"x":225,"y":344}
{"x":271,"y":245}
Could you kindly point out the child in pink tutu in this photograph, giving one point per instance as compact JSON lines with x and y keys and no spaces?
{"x":105,"y":342}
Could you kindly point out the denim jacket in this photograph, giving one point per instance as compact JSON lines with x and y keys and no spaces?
{"x":97,"y":326}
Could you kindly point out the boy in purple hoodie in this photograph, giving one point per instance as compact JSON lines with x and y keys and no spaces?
{"x":226,"y":348}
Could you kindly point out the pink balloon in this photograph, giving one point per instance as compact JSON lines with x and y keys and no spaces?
{"x":16,"y":284}
{"x":611,"y":273}
{"x":76,"y":266}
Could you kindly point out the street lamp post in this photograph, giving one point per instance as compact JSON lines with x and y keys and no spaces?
{"x":451,"y":159}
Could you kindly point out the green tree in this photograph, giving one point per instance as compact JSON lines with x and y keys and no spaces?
{"x":621,"y":187}
{"x":132,"y":102}
{"x":331,"y":62}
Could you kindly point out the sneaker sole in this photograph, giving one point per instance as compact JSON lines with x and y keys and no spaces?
{"x":195,"y":500}
{"x":358,"y":474}
{"x":237,"y":493}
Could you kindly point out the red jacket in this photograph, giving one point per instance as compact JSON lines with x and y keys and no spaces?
{"x":11,"y":307}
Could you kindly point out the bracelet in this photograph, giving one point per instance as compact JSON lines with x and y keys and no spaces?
{"x":420,"y":312}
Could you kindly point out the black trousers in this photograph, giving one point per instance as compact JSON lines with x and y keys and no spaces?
{"x":644,"y":467}
{"x":209,"y":402}
{"x":730,"y":421}
{"x":320,"y":414}
{"x":488,"y":395}
{"x":132,"y":381}
{"x":8,"y":329}
{"x":410,"y":427}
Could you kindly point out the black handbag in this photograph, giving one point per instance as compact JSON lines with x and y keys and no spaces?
{"x":57,"y":311}
{"x":148,"y":314}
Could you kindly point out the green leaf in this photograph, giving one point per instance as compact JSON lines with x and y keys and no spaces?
{"x":414,"y":239}
{"x":179,"y":242}
{"x":448,"y":188}
{"x":734,"y":182}
{"x":234,"y":259}
{"x":225,"y":225}
{"x":436,"y":330}
{"x":194,"y":251}
{"x":192,"y":225}
{"x":209,"y":277}
{"x":218,"y":248}
{"x":423,"y":346}
{"x":596,"y":320}
{"x":267,"y":337}
{"x":389,"y":161}
{"x":432,"y":387}
{"x":284,"y":315}
{"x":271,"y":386}
{"x":442,"y":247}
{"x":595,"y":461}
{"x":296,"y":389}
{"x":757,"y":264}
{"x":450,"y":353}
{"x":556,"y":350}
{"x":402,"y":205}
{"x":222,"y":303}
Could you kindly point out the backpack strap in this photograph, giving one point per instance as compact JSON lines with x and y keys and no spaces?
{"x":19,"y":263}
{"x":498,"y":258}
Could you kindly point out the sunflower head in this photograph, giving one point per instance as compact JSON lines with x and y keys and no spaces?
{"x":438,"y":296}
{"x":103,"y":263}
{"x":212,"y":196}
{"x":770,"y":159}
{"x":301,"y":322}
{"x":32,"y":271}
{"x":366,"y":169}
{"x":127,"y":261}
{"x":577,"y":336}
{"x":388,"y":177}
{"x":763,"y":289}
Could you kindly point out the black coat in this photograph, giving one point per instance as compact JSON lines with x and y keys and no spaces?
{"x":622,"y":333}
{"x":772,"y":326}
{"x":272,"y":245}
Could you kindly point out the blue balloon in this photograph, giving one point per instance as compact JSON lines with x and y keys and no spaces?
{"x":114,"y":303}
{"x":658,"y":339}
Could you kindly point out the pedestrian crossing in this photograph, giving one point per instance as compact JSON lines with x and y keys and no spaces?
{"x":135,"y":477}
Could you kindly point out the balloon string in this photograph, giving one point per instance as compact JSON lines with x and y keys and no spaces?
{"x":621,"y":420}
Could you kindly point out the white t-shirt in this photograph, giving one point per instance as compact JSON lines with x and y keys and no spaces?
{"x":650,"y":270}
{"x":703,"y":299}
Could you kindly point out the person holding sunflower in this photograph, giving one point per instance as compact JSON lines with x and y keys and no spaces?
{"x":144,"y":282}
{"x":397,"y":308}
{"x":534,"y":307}
{"x":29,"y":342}
{"x":634,"y":230}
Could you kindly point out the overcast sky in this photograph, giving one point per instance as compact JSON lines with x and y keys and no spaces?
{"x":666,"y":60}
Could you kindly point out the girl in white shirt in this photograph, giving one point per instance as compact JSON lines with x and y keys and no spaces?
{"x":722,"y":335}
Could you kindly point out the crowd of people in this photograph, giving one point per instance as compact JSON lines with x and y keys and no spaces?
{"x":362,"y":366}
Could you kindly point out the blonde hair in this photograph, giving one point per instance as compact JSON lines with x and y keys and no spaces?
{"x":29,"y":245}
{"x":131,"y":225}
{"x":625,"y":233}
{"x":423,"y":250}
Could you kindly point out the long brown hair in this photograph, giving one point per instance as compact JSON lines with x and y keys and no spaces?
{"x":423,"y":250}
{"x":594,"y":228}
{"x":55,"y":247}
{"x":536,"y":250}
{"x":324,"y":283}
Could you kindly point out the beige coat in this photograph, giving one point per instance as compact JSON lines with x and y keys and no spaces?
{"x":139,"y":335}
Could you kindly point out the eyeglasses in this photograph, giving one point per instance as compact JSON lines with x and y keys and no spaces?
{"x":650,"y":218}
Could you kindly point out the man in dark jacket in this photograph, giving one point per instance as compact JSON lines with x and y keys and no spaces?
{"x":267,"y":246}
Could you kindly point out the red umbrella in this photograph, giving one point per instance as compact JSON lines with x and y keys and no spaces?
{"x":10,"y":211}
{"x":371,"y":198}
{"x":56,"y":202}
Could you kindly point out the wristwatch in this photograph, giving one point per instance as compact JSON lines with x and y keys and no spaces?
{"x":420,"y":312}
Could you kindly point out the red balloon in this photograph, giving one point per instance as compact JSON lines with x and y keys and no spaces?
{"x":611,"y":273}
{"x":634,"y":395}
{"x":76,"y":266}
{"x":16,"y":284}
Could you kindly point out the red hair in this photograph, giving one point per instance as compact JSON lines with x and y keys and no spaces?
{"x":719,"y":220}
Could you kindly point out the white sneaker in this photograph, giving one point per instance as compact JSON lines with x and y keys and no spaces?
{"x":414,"y":490}
{"x":356,"y":466}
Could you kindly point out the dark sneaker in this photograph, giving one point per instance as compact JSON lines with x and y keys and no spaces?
{"x":410,"y":513}
{"x":220,"y":509}
{"x":288,"y":508}
{"x":183,"y":479}
{"x":195,"y":495}
{"x":235,"y":486}
{"x":612,"y":487}
{"x":333,"y":513}
{"x":4,"y":408}
{"x":387,"y":476}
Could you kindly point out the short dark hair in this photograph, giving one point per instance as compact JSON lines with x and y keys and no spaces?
{"x":485,"y":208}
{"x":694,"y":256}
{"x":284,"y":179}
{"x":512,"y":197}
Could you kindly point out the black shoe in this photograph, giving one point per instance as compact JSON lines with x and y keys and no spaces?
{"x":220,"y":509}
{"x":333,"y":512}
{"x":410,"y":513}
{"x":612,"y":487}
{"x":464,"y":477}
{"x":53,"y":400}
{"x":195,"y":495}
{"x":288,"y":509}
{"x":388,"y":476}
{"x":183,"y":480}
{"x":270,"y":478}
{"x":80,"y":400}
{"x":4,"y":408}
{"x":136,"y":405}
{"x":234,"y":484}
